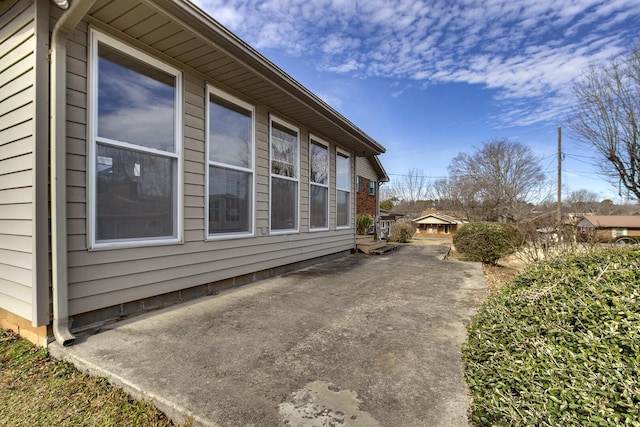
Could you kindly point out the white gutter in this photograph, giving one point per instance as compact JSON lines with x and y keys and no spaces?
{"x":62,"y":4}
{"x":57,"y":118}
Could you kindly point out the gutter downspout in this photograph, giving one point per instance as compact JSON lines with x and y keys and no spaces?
{"x":57,"y":121}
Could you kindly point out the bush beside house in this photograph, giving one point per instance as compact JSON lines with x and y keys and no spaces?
{"x":558,"y":345}
{"x":363,"y":224}
{"x":486,"y":241}
{"x":402,"y":231}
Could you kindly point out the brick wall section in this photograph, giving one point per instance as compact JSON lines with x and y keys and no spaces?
{"x":365,"y":204}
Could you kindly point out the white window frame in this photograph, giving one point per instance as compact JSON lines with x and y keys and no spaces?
{"x":371,"y":188}
{"x":319,"y":141}
{"x":93,"y":139}
{"x":346,"y":154}
{"x":273,"y":119}
{"x":232,"y":99}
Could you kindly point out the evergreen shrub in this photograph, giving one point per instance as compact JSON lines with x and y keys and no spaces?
{"x":559,"y":345}
{"x":487,"y":241}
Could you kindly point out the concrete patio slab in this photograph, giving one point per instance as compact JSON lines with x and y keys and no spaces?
{"x":357,"y":341}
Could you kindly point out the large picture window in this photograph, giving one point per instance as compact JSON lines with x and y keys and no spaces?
{"x":135,"y":146}
{"x":318,"y":185}
{"x":230,"y":138}
{"x":343,"y":190}
{"x":285,"y":158}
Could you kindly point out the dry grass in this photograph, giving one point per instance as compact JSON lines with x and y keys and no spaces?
{"x":36,"y":390}
{"x":431,"y":242}
{"x":506,"y":269}
{"x":497,"y":275}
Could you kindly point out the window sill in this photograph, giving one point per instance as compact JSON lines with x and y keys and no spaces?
{"x":218,"y":237}
{"x":134,"y":244}
{"x":316,"y":230}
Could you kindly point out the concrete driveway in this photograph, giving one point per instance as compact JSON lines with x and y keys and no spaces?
{"x":357,"y":341}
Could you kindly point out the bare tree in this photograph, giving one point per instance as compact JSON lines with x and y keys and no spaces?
{"x":386,"y":193}
{"x":583,"y":202}
{"x":607,"y":117}
{"x":412,"y":187}
{"x":498,"y":180}
{"x":457,"y":196}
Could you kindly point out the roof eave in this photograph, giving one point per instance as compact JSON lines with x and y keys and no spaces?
{"x":199,"y":19}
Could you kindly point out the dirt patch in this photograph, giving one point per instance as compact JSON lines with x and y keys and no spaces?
{"x":497,"y":275}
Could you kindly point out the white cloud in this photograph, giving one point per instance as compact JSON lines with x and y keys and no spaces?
{"x":528,"y":50}
{"x":349,"y":66}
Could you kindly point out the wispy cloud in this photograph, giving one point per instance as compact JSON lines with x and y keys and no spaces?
{"x":522,"y":50}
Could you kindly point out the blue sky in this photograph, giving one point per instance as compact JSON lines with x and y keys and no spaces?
{"x":429,"y":79}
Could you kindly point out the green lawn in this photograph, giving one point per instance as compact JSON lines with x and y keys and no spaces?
{"x":36,"y":390}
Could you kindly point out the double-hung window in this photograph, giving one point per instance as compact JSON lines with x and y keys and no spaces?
{"x":230,"y":141}
{"x":285,"y":159}
{"x":318,"y":185}
{"x":135,"y":146}
{"x":372,"y":188}
{"x":343,"y":190}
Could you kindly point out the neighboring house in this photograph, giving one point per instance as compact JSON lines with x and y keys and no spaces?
{"x":369,"y":176}
{"x":182,"y":162}
{"x":608,"y":227}
{"x":437,"y":225}
{"x":387,"y":219}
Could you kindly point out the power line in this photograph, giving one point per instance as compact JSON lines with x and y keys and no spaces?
{"x":418,"y":176}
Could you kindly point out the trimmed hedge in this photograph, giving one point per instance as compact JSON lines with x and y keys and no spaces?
{"x":560,"y":345}
{"x":487,"y":242}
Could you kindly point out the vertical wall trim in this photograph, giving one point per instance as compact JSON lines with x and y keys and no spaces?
{"x":58,"y":105}
{"x":40,"y":236}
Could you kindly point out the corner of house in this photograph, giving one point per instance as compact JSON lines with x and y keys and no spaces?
{"x":38,"y":335}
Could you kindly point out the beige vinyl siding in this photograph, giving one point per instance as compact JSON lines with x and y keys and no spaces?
{"x":194,"y":164}
{"x":304,"y":181}
{"x":103,"y":278}
{"x":364,"y":169}
{"x":76,"y":143}
{"x":18,"y":60}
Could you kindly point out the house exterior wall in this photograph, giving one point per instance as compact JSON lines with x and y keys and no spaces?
{"x":436,"y":230}
{"x":364,"y":168}
{"x":23,"y":164}
{"x":366,"y":204}
{"x":120,"y":280}
{"x":100,"y":279}
{"x":609,"y":234}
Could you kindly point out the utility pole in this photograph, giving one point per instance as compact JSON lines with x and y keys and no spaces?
{"x":559,"y":206}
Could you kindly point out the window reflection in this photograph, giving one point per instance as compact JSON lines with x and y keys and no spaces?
{"x":230,"y":129}
{"x":284,"y":204}
{"x":135,"y":195}
{"x":319,"y":163}
{"x":319,"y":207}
{"x":343,"y":172}
{"x":134,"y":145}
{"x":284,"y":151}
{"x":319,"y":190}
{"x":343,"y":190}
{"x":343,"y":208}
{"x":229,"y":200}
{"x":136,"y":102}
{"x":230,"y":139}
{"x":284,"y":177}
